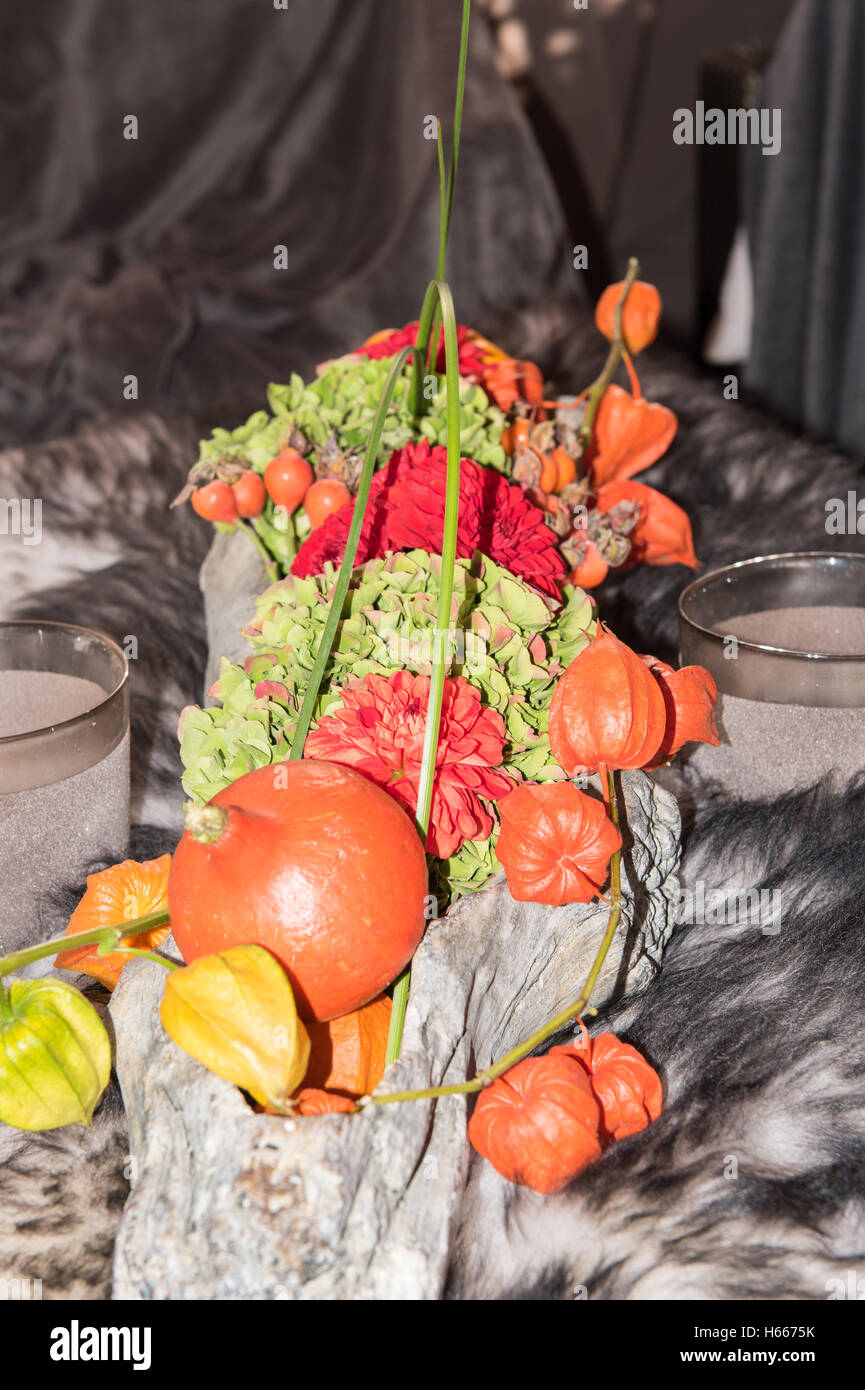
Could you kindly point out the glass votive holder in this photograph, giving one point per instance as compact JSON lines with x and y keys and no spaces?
{"x":64,"y":768}
{"x":784,"y":638}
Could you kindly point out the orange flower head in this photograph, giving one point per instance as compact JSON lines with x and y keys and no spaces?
{"x":379,"y":730}
{"x":607,"y":709}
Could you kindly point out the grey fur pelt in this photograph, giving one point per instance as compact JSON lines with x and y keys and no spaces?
{"x":112,"y":557}
{"x":758,"y":1037}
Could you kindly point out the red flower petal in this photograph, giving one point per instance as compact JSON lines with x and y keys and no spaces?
{"x":379,"y":731}
{"x":406,"y":510}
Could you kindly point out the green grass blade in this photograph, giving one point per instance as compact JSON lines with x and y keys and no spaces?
{"x":437,"y":293}
{"x":325,"y":646}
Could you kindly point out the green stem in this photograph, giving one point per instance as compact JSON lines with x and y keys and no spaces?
{"x":340,"y":589}
{"x":18,"y":959}
{"x":516,"y":1054}
{"x":5,"y":1006}
{"x":269,"y":563}
{"x":399,"y":1004}
{"x":441,"y":637}
{"x":614,"y":356}
{"x":154,"y":956}
{"x":284,"y":524}
{"x":427,"y":335}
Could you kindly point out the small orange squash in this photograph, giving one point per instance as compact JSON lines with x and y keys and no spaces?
{"x":317,"y":864}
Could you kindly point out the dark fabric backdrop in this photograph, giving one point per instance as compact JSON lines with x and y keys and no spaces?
{"x":807,"y":227}
{"x":257,"y":126}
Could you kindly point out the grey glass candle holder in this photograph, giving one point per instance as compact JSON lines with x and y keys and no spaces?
{"x":64,"y":767}
{"x":784,"y":638}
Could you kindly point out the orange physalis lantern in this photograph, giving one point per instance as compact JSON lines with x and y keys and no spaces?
{"x":629,"y":434}
{"x":607,"y":710}
{"x":348,"y":1052}
{"x":120,"y":894}
{"x":640,"y":316}
{"x":662,"y":535}
{"x":627,"y":1089}
{"x":555,"y":843}
{"x":689,"y":696}
{"x":538,"y":1124}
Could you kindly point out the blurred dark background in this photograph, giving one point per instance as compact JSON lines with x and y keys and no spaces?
{"x":298,"y":124}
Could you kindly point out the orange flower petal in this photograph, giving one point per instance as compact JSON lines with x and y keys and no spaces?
{"x":629,"y":435}
{"x":662,"y":535}
{"x":120,"y":894}
{"x":689,"y":698}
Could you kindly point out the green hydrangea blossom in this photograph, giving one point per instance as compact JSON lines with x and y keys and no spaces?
{"x":505,"y":639}
{"x":342,"y":401}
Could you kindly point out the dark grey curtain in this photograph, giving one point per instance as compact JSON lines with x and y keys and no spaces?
{"x":257,"y":127}
{"x":807,"y":226}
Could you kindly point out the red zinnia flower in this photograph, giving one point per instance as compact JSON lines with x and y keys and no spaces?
{"x":379,"y":731}
{"x":406,"y":510}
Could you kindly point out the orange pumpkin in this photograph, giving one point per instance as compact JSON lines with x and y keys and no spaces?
{"x":640,"y":315}
{"x":555,"y":844}
{"x":629,"y":434}
{"x":689,"y":697}
{"x":538,"y":1124}
{"x":120,"y":894}
{"x":348,"y":1052}
{"x":662,"y":535}
{"x":317,"y":864}
{"x":607,"y":709}
{"x":626,"y":1088}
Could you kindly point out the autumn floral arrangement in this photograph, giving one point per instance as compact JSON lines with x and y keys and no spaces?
{"x":430,"y":697}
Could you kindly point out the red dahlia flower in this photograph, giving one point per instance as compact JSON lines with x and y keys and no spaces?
{"x":379,"y":731}
{"x":406,"y":510}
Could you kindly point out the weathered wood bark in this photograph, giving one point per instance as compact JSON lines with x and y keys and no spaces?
{"x":229,"y":1204}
